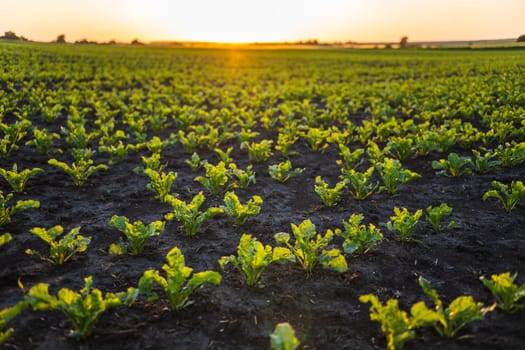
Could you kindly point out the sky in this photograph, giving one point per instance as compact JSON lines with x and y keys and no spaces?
{"x":264,"y":20}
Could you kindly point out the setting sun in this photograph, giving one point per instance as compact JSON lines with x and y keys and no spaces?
{"x":263,"y":21}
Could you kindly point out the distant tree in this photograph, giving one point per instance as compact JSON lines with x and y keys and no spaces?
{"x":136,"y":42}
{"x":61,"y":39}
{"x":86,"y":42}
{"x":521,"y":39}
{"x":403,"y":44}
{"x":10,"y":36}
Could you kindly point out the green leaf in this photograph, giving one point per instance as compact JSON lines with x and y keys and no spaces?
{"x":5,"y":238}
{"x":146,"y":284}
{"x":233,"y":207}
{"x":431,"y":293}
{"x":117,"y":249}
{"x":281,"y":254}
{"x":283,"y":338}
{"x":282,"y":237}
{"x":422,"y":316}
{"x":6,"y":316}
{"x":333,"y":260}
{"x":39,"y":299}
{"x":506,"y":293}
{"x":350,"y":247}
{"x":200,"y":278}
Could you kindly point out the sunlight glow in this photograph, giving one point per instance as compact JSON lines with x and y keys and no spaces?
{"x":264,"y":21}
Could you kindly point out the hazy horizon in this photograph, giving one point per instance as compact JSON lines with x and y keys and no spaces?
{"x":264,"y":21}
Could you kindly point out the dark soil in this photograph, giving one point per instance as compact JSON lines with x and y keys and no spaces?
{"x":323,"y":309}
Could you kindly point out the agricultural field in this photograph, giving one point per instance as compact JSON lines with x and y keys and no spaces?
{"x":301,"y":186}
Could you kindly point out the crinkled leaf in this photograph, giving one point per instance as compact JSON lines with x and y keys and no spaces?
{"x":282,"y":237}
{"x":281,"y":254}
{"x":350,"y":247}
{"x":333,"y":259}
{"x":421,"y":315}
{"x":39,"y":299}
{"x":117,"y":249}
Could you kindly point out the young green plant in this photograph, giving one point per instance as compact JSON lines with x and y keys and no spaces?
{"x":234,"y":208}
{"x":486,"y":162}
{"x":509,"y":198}
{"x":309,"y":248}
{"x":350,"y":159}
{"x":189,"y":214}
{"x":160,"y":183}
{"x":454,"y":165}
{"x":253,"y":258}
{"x":393,"y":174}
{"x":224,"y":156}
{"x":316,"y":138}
{"x":77,"y":136}
{"x":136,"y":234}
{"x":396,"y":324}
{"x":457,"y":315}
{"x":361,"y":185}
{"x":258,"y":151}
{"x":42,"y":140}
{"x":189,"y":140}
{"x":241,"y":178}
{"x":178,"y":283}
{"x":79,"y":171}
{"x":155,"y":145}
{"x":284,"y":142}
{"x":510,"y":154}
{"x":83,"y":309}
{"x":63,"y":249}
{"x":195,"y":162}
{"x":505,"y":291}
{"x":435,"y":214}
{"x":401,"y":147}
{"x":117,"y":152}
{"x":18,"y":179}
{"x":6,"y":316}
{"x":216,"y":177}
{"x":329,"y":196}
{"x":6,"y":211}
{"x":283,"y":171}
{"x":12,"y":135}
{"x":375,"y":153}
{"x":403,"y":222}
{"x":152,"y":162}
{"x":359,"y":238}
